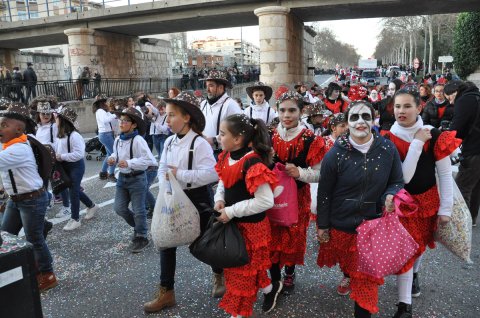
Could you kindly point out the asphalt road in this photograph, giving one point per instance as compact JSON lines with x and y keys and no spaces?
{"x":99,"y":277}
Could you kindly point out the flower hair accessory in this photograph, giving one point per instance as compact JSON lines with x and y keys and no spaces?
{"x":291,"y":95}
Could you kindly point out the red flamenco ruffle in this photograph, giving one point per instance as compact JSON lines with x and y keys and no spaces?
{"x":288,"y":245}
{"x":259,"y":174}
{"x":316,"y":152}
{"x":342,"y":250}
{"x":422,"y":230}
{"x":219,"y":165}
{"x":446,"y":144}
{"x":428,"y":203}
{"x":231,"y":174}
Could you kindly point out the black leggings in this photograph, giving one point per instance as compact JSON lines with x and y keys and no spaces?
{"x":276,"y":273}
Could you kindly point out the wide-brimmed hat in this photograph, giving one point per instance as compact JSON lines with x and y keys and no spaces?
{"x":259,"y":86}
{"x":102,"y":98}
{"x":4,"y":103}
{"x":136,"y":116}
{"x":69,"y":114}
{"x":42,"y":99}
{"x":219,"y":77}
{"x":337,"y":119}
{"x":190,"y":104}
{"x":18,"y":111}
{"x":44,"y":107}
{"x":317,"y":108}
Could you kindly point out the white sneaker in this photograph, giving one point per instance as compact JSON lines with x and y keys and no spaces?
{"x":72,"y":225}
{"x":63,"y":212}
{"x":91,"y":212}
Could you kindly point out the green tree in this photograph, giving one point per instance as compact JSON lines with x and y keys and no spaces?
{"x":466,"y":43}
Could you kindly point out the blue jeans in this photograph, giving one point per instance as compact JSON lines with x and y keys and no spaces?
{"x":158,"y":142}
{"x":30,"y":213}
{"x":132,"y":189}
{"x":107,"y":139}
{"x":75,"y":171}
{"x":151,"y":175}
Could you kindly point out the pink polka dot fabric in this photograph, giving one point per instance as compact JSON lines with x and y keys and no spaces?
{"x":384,"y":246}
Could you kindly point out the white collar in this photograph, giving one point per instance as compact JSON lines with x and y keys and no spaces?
{"x":260,"y":107}
{"x":362,"y":148}
{"x":408,"y":133}
{"x":289,"y":134}
{"x":186,"y":139}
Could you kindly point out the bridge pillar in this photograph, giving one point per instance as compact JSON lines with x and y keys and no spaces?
{"x":283,"y":56}
{"x":80,"y":43}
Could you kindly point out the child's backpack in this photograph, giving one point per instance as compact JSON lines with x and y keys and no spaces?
{"x":45,"y":158}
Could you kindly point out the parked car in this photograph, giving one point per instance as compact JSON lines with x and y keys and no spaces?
{"x":369,"y":78}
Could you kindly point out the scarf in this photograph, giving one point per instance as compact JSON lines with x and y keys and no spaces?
{"x":126,"y":136}
{"x":407,"y":133}
{"x":22,"y":138}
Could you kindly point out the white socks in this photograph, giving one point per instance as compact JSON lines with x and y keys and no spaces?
{"x":417,"y":264}
{"x":267,"y":289}
{"x":404,"y":286}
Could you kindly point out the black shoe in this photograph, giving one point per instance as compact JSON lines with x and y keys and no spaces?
{"x":270,"y":299}
{"x":415,"y":286}
{"x":139,"y":244}
{"x":103,"y":175}
{"x":111,"y":178}
{"x":403,"y":311}
{"x":47,"y":227}
{"x":288,"y":284}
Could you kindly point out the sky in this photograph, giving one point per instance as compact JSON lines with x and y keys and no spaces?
{"x":361,"y":33}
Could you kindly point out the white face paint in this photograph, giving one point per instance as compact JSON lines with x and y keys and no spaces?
{"x":360,"y":122}
{"x":374,"y":95}
{"x":391,"y":89}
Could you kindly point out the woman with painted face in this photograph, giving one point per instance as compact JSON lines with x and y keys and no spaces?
{"x":333,"y":100}
{"x":301,"y":151}
{"x":424,"y":151}
{"x":385,"y":107}
{"x":359,"y":177}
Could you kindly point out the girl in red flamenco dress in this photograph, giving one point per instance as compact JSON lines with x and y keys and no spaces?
{"x":301,"y":152}
{"x":424,"y":151}
{"x":243,"y":195}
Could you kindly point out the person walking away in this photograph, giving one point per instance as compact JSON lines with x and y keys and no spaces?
{"x":189,"y":157}
{"x":244,"y":193}
{"x":17,"y":83}
{"x":30,"y":80}
{"x":70,"y":152}
{"x":106,"y":135}
{"x":132,"y":156}
{"x":466,"y":122}
{"x":358,"y":178}
{"x":28,"y":198}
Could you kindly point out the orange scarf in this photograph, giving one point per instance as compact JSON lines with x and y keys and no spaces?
{"x":22,"y":138}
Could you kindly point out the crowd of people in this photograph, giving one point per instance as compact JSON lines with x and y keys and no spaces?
{"x":359,"y":145}
{"x":12,"y":83}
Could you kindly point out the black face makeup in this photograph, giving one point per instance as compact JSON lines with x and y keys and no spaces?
{"x":355,"y":117}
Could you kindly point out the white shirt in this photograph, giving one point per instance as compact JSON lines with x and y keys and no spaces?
{"x":20,"y":159}
{"x":409,"y":165}
{"x":262,"y":200}
{"x":77,"y":147}
{"x":142,"y":156}
{"x":45,"y":133}
{"x":159,"y":124}
{"x":262,"y":112}
{"x":211,"y":112}
{"x":104,"y":121}
{"x":176,"y":152}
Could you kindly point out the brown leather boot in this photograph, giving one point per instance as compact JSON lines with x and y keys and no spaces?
{"x":218,"y":285}
{"x":164,"y":298}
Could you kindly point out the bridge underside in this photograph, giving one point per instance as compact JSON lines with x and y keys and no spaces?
{"x":187,"y":15}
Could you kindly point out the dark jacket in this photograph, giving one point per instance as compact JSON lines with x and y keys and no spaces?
{"x":29,"y":77}
{"x":17,"y":79}
{"x":430,"y":113}
{"x":353,"y":186}
{"x":466,"y":120}
{"x":387,"y":118}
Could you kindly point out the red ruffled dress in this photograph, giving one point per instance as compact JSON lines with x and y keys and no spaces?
{"x":241,"y":180}
{"x":306,"y":150}
{"x":338,"y":106}
{"x":423,"y":188}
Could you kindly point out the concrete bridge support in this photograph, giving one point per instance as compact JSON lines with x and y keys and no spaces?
{"x":116,"y":55}
{"x":285,"y":46}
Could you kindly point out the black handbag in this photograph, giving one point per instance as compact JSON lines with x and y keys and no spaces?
{"x":221,"y":245}
{"x":60,"y":180}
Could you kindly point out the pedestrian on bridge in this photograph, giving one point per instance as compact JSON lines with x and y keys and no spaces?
{"x":30,"y":80}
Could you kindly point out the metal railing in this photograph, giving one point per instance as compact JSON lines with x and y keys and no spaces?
{"x":20,"y":10}
{"x":69,"y":90}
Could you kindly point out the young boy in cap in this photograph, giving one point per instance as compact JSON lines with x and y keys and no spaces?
{"x":28,"y":198}
{"x":260,"y":94}
{"x":132,"y":156}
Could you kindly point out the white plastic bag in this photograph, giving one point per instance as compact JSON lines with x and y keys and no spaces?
{"x":175,"y":221}
{"x":313,"y":194}
{"x":456,"y":236}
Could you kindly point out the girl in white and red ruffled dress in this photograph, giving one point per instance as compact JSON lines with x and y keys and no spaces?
{"x":301,"y":151}
{"x":243,"y":195}
{"x":424,"y":151}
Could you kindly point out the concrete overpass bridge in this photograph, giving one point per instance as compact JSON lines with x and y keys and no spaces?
{"x":285,"y":43}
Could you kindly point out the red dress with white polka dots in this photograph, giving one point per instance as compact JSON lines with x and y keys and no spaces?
{"x":242,"y":283}
{"x":289,"y":244}
{"x":423,"y":224}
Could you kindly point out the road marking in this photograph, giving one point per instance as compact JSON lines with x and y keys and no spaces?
{"x":110,"y":184}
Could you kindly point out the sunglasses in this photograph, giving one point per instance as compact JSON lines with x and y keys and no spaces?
{"x":365,"y":116}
